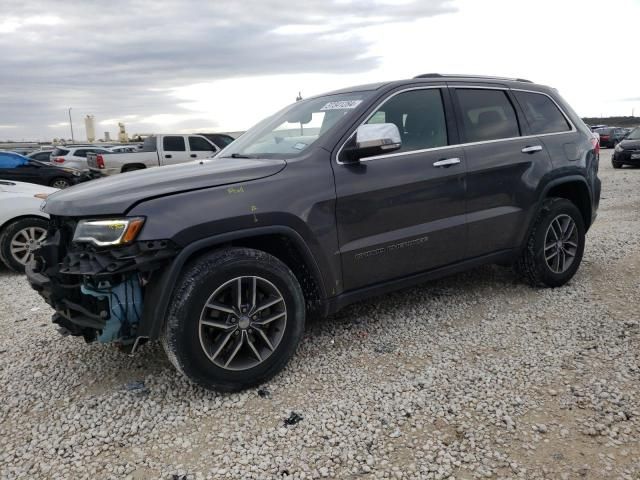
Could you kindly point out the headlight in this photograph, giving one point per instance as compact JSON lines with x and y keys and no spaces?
{"x":108,"y":232}
{"x":619,"y":148}
{"x":73,"y":172}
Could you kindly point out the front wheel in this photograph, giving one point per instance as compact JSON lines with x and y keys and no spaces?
{"x":615,"y":164}
{"x":235,"y":319}
{"x":20,"y":239}
{"x":60,"y":183}
{"x":555,"y":246}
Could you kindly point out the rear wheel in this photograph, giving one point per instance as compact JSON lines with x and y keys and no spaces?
{"x":20,"y":239}
{"x":60,"y":183}
{"x":556,"y":244}
{"x":235,"y":319}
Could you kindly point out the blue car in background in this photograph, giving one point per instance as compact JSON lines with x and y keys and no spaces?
{"x":16,"y":167}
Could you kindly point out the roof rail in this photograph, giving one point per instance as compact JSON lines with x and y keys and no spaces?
{"x":440,"y":75}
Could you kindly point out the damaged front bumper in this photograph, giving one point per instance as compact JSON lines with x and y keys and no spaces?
{"x":101,"y":294}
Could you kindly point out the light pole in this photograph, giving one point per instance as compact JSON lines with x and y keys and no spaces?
{"x":71,"y":125}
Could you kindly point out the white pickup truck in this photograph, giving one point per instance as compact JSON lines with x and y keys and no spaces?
{"x":157,"y":151}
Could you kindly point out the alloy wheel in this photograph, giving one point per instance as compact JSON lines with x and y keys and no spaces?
{"x":242,"y":323}
{"x":561,"y":243}
{"x":25,"y":242}
{"x":60,"y":183}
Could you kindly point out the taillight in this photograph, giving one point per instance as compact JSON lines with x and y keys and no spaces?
{"x":59,"y":159}
{"x":99,"y":161}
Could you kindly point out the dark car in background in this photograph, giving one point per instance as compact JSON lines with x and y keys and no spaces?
{"x":41,"y":155}
{"x":627,"y":152}
{"x":19,"y":168}
{"x":611,"y":136}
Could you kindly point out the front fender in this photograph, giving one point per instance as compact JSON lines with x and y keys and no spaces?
{"x":158,"y":293}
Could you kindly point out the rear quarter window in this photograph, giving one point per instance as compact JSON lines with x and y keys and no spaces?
{"x":60,"y":152}
{"x":542,"y":114}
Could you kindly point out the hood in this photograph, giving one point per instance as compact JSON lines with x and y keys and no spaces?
{"x":118,"y":193}
{"x":630,"y":144}
{"x":26,"y":188}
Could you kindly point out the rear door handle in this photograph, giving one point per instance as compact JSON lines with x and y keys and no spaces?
{"x":193,"y":155}
{"x":446,"y":162}
{"x":167,"y":156}
{"x":532,"y":149}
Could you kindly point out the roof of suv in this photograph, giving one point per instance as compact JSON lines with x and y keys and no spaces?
{"x":441,"y":77}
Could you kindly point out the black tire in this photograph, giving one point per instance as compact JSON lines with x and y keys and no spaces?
{"x":9,"y":232}
{"x":615,"y":164}
{"x":182,"y":335}
{"x":60,"y":182}
{"x":532,"y":265}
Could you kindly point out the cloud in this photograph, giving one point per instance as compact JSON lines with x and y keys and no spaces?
{"x":126,"y":59}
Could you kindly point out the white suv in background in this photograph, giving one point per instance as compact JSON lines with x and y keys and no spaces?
{"x":74,"y":156}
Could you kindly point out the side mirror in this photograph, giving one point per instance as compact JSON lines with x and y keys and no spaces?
{"x":371,"y":139}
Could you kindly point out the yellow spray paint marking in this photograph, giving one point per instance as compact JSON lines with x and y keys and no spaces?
{"x":254,"y":209}
{"x":235,"y":190}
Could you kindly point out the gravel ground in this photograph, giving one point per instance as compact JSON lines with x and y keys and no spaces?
{"x":474,"y":376}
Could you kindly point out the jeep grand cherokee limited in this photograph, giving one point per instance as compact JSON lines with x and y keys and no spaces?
{"x":331,"y":200}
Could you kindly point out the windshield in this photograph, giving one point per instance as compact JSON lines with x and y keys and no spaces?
{"x":292,"y":130}
{"x":634,"y":135}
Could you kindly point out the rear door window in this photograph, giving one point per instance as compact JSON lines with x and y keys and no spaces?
{"x":542,"y":114}
{"x":173,"y":144}
{"x":80,"y":153}
{"x":199,"y":144}
{"x":486,"y":115}
{"x":42,"y":156}
{"x":60,"y":152}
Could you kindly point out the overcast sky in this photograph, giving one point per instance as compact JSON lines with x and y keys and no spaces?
{"x":179,"y":66}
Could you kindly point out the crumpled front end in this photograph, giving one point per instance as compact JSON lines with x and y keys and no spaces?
{"x":98,"y":293}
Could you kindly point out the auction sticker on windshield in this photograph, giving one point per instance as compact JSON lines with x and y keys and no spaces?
{"x":342,"y":105}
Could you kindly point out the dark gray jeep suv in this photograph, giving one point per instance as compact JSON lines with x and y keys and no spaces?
{"x":333,"y":199}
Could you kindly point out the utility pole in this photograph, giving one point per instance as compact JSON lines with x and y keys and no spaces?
{"x":71,"y":125}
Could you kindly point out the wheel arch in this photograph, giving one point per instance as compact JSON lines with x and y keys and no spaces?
{"x":21,"y":217}
{"x":574,"y":188}
{"x":576,"y":191}
{"x":280,"y":241}
{"x":132,"y":166}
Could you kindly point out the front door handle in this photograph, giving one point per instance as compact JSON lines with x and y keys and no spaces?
{"x":193,"y":155}
{"x":446,"y":162}
{"x":167,"y":156}
{"x":532,"y":149}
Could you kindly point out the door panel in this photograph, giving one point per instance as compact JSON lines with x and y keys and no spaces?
{"x":174,"y":150}
{"x":398,"y":214}
{"x":503,"y":169}
{"x":200,"y":148}
{"x":501,"y":188}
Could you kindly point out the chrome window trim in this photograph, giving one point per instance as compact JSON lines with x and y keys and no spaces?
{"x":444,"y":147}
